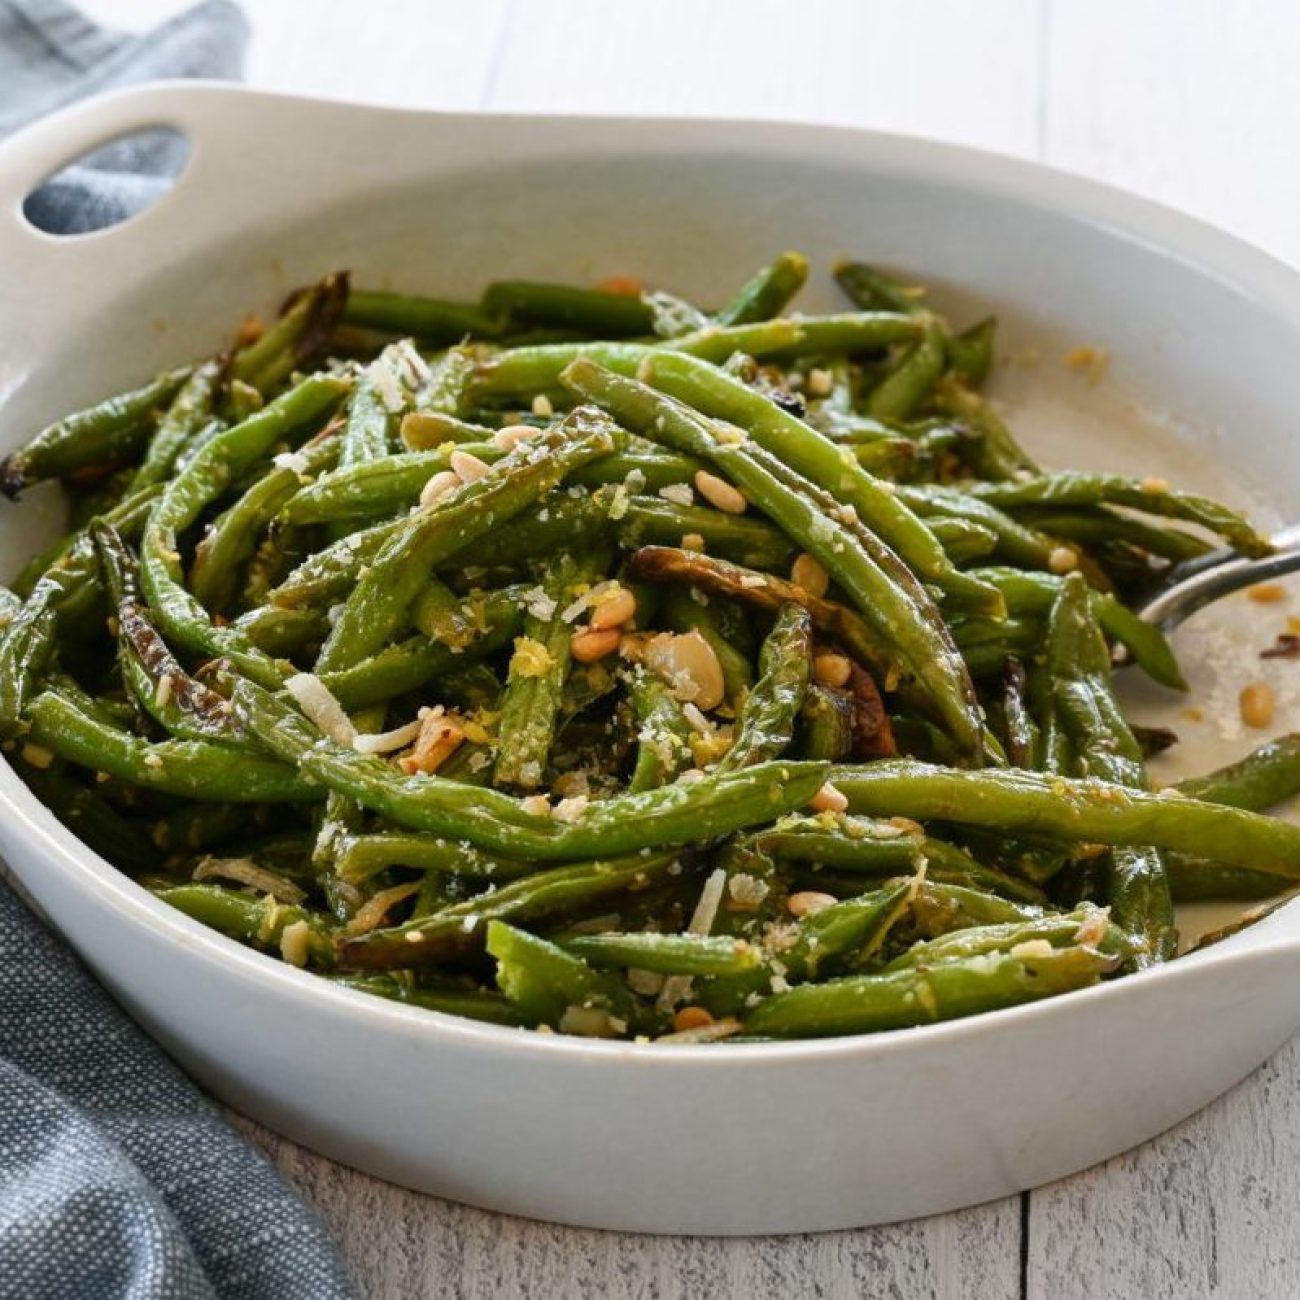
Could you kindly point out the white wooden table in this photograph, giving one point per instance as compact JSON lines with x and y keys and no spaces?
{"x":1190,"y":101}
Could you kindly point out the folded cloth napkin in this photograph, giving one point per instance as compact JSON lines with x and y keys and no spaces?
{"x":117,"y":1177}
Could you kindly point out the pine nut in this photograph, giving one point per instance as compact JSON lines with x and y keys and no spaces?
{"x":829,"y":799}
{"x":509,"y":437}
{"x":820,"y":383}
{"x":1256,"y":703}
{"x":1266,"y":593}
{"x":808,"y":901}
{"x":1062,"y":560}
{"x":810,"y":574}
{"x":594,"y":643}
{"x":831,"y":670}
{"x":438,"y":486}
{"x":693,"y":542}
{"x":691,"y":1018}
{"x":542,"y":407}
{"x":689,"y":665}
{"x":614,"y":611}
{"x":719,"y":493}
{"x":467,"y":467}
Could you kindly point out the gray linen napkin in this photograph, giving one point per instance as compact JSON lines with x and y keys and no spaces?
{"x":117,"y":1177}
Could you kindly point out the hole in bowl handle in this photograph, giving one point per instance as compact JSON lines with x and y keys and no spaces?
{"x":43,"y":148}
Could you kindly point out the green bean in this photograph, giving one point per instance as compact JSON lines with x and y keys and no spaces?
{"x":190,"y":411}
{"x":1079,"y":664}
{"x":859,"y":846}
{"x":1096,"y":526}
{"x":863,"y":1004}
{"x":374,"y":489}
{"x":1076,"y":810}
{"x":1016,"y":543}
{"x":1086,"y":924}
{"x":767,"y":293}
{"x":663,"y":733}
{"x":426,"y":430}
{"x":459,"y":928}
{"x":301,"y":333}
{"x":922,"y":647}
{"x":1193,"y":879}
{"x":825,"y":724}
{"x":549,"y":986}
{"x":1265,"y":777}
{"x":649,"y":521}
{"x":161,"y":687}
{"x":765,"y":725}
{"x":995,"y":452}
{"x":939,"y":907}
{"x":970,"y":353}
{"x":435,"y":321}
{"x":677,"y":814}
{"x":530,"y":706}
{"x":474,"y":1003}
{"x":380,"y":603}
{"x":191,"y":768}
{"x":410,"y":664}
{"x":1152,"y":496}
{"x":360,"y":856}
{"x":817,"y":459}
{"x":231,"y":539}
{"x":667,"y":954}
{"x":259,"y":921}
{"x":283,"y":633}
{"x":903,"y":390}
{"x":873,"y":290}
{"x":223,"y":460}
{"x":113,"y":431}
{"x":1033,"y":593}
{"x":385,"y":388}
{"x":592,"y":311}
{"x":1022,"y":738}
{"x":823,"y":942}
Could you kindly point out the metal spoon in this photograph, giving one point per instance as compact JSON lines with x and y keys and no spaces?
{"x":1196,"y":583}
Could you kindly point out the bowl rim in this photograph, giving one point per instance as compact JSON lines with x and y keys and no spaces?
{"x":1206,"y":249}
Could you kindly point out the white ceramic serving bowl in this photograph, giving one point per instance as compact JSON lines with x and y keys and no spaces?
{"x":744,"y":1139}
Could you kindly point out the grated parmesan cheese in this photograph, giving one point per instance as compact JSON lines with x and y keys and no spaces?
{"x":314,"y":698}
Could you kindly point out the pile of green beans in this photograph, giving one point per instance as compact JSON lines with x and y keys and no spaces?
{"x":584,"y":659}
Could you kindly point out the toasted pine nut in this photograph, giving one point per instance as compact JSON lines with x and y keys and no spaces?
{"x":536,"y":805}
{"x":1256,"y":703}
{"x":831,"y":670}
{"x":692,"y":542}
{"x":1062,"y":560}
{"x":438,"y":486}
{"x":689,"y":665}
{"x":829,"y":799}
{"x":808,"y":901}
{"x":1153,"y":484}
{"x":809,"y":573}
{"x":691,"y":1018}
{"x":1266,"y":593}
{"x":613,"y":612}
{"x":467,"y":467}
{"x":819,"y":383}
{"x":542,"y":407}
{"x":594,"y":643}
{"x":509,"y":437}
{"x":719,"y":493}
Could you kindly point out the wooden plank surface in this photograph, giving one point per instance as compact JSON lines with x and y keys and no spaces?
{"x":1189,"y":101}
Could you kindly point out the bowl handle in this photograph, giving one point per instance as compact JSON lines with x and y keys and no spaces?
{"x":194,"y":108}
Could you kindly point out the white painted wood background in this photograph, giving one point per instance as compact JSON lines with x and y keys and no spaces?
{"x":1193,"y":102}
